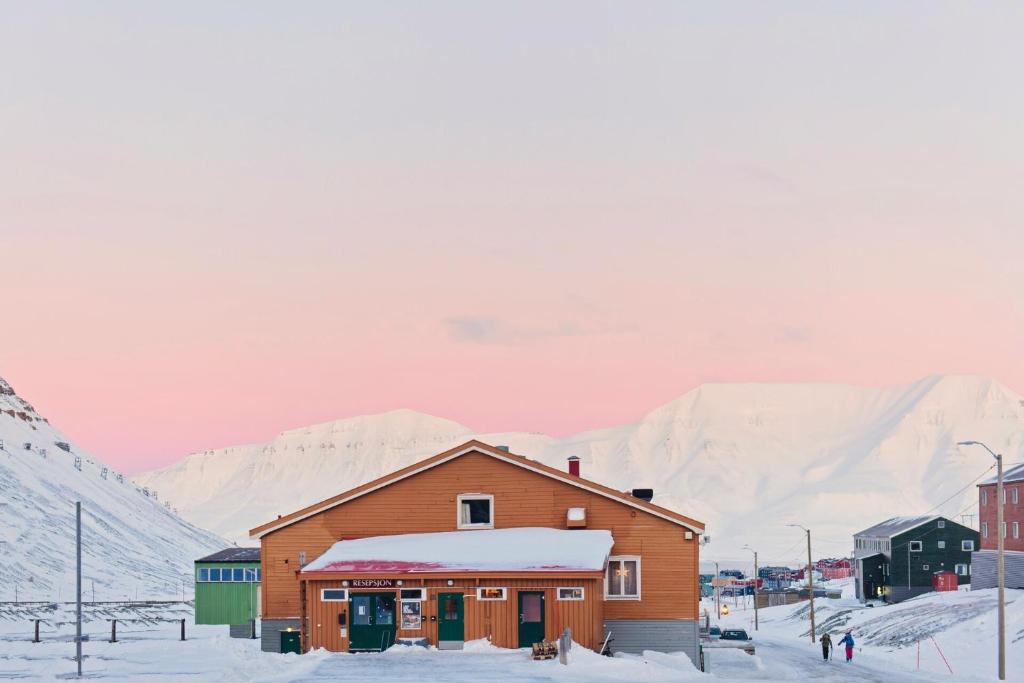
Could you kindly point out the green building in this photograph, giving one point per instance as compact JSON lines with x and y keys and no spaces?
{"x":906,"y":556}
{"x":228,"y":589}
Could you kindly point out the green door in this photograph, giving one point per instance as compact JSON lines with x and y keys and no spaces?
{"x":371,"y":621}
{"x":451,"y":629}
{"x":531,"y":618}
{"x":290,"y":642}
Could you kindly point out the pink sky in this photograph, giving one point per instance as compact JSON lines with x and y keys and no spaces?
{"x":213,"y":232}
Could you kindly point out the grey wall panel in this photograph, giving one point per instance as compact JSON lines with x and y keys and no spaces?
{"x":270,"y":632}
{"x":635,"y":636}
{"x":983,"y":569}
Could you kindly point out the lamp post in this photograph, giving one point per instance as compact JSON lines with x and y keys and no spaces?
{"x":747,"y":547}
{"x":810,"y":574}
{"x":1000,"y":565}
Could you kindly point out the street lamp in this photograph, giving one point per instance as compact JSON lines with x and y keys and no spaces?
{"x":747,"y":547}
{"x":1000,"y":566}
{"x":810,"y":575}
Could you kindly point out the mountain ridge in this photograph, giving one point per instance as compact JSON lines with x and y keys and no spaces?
{"x":731,"y":455}
{"x":131,"y":541}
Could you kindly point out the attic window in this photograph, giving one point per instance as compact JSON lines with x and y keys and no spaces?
{"x":475,"y":511}
{"x":915,"y":546}
{"x":576,"y":518}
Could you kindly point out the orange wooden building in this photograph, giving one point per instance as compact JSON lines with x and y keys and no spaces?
{"x":477,"y":542}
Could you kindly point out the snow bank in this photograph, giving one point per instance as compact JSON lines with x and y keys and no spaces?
{"x":522,"y":549}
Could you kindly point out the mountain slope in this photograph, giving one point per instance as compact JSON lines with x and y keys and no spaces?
{"x":131,"y":541}
{"x":745,"y":458}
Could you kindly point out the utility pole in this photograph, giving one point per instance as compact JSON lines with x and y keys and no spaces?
{"x":1001,"y":550}
{"x":755,"y":584}
{"x":810,"y":575}
{"x":78,"y":585}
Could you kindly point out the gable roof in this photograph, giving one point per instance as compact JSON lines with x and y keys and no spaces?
{"x":1013,"y":473}
{"x":475,"y":446}
{"x":895,"y":526}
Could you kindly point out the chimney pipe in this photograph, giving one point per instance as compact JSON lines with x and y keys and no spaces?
{"x":574,"y":466}
{"x":503,"y":448}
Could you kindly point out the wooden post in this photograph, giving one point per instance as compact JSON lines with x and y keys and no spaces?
{"x":252,"y":629}
{"x":113,"y":630}
{"x":36,"y":639}
{"x":183,"y":629}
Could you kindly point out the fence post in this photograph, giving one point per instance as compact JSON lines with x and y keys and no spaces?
{"x":252,"y":629}
{"x":564,"y":643}
{"x":183,"y":629}
{"x":113,"y":630}
{"x":36,"y":639}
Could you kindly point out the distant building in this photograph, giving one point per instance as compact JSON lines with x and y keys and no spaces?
{"x":835,"y":568}
{"x":897,"y":559}
{"x":984,"y":561}
{"x":734,"y":573}
{"x":228,"y":589}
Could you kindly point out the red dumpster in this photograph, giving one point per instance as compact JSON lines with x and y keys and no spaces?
{"x":944,"y":581}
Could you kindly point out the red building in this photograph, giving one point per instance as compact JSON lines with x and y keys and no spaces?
{"x":1013,"y":510}
{"x":835,"y":568}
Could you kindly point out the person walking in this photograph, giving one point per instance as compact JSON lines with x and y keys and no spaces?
{"x":848,"y":642}
{"x":826,"y":647}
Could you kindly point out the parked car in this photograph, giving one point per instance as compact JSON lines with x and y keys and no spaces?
{"x":715,"y":632}
{"x":734,"y":634}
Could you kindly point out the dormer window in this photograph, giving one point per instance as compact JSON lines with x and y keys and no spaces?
{"x":475,"y":511}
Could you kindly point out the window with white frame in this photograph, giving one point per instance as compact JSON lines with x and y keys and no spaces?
{"x":1016,"y":498}
{"x":984,"y":496}
{"x":413,"y":594}
{"x":475,"y":511}
{"x":924,"y":567}
{"x":333,"y":595}
{"x":984,"y":529}
{"x":915,"y":546}
{"x":1016,"y":529}
{"x":491,"y":594}
{"x":570,"y":593}
{"x":942,"y":545}
{"x":968,"y":546}
{"x":942,"y":524}
{"x":622,"y":578}
{"x":961,"y":570}
{"x":1004,"y":529}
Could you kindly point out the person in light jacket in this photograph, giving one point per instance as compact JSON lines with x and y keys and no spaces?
{"x":848,"y":642}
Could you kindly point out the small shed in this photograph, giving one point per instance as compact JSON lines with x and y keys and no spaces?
{"x":945,"y":581}
{"x":227,"y":589}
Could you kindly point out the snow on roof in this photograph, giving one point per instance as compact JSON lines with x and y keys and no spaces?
{"x":1014,"y":473}
{"x":896,"y":525}
{"x":487,"y":550}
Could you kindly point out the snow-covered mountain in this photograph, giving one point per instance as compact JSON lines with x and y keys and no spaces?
{"x":747,"y":459}
{"x":131,"y":543}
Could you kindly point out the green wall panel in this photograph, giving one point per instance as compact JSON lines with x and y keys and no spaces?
{"x":226,"y":602}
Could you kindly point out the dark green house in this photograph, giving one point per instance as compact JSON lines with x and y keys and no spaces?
{"x":228,"y":589}
{"x":906,"y":556}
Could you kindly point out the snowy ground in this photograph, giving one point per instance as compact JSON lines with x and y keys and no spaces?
{"x":957,"y":629}
{"x":961,"y":624}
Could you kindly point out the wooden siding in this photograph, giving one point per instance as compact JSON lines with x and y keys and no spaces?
{"x":497,"y":620}
{"x":427,"y":503}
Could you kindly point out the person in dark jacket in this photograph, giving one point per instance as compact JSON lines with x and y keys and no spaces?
{"x":826,"y":647}
{"x":848,"y":642}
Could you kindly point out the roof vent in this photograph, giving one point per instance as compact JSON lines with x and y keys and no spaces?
{"x":503,"y":448}
{"x":643,"y":494}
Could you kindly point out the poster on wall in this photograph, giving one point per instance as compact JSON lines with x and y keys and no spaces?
{"x":411,"y":615}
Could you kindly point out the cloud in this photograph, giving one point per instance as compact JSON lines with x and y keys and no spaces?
{"x":473,"y":329}
{"x":791,"y":334}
